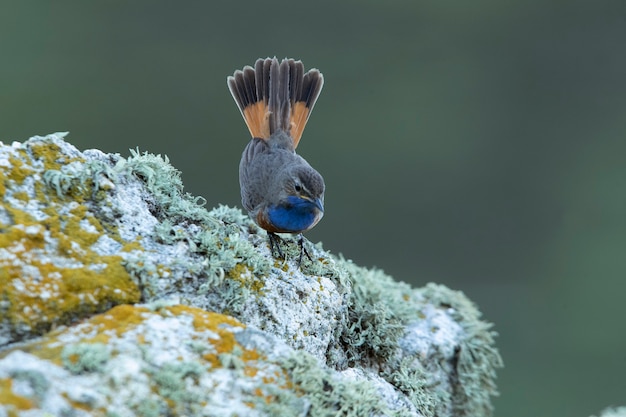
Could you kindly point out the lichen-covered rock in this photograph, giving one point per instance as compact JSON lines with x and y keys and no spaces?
{"x":56,"y":258}
{"x":613,"y":412}
{"x":173,"y":360}
{"x":166,"y":308}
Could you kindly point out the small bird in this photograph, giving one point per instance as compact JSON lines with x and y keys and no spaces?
{"x":280,"y":190}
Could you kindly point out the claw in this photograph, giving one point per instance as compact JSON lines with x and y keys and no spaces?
{"x":275,"y":245}
{"x":303,"y":250}
{"x":277,"y":252}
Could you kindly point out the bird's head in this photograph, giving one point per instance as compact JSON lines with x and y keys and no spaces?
{"x":303,"y":185}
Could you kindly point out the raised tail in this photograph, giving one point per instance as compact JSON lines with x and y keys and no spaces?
{"x":276,"y":96}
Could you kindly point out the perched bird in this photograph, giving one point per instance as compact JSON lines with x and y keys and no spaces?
{"x":280,"y":190}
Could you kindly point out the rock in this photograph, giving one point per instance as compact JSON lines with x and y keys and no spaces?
{"x":123,"y":296}
{"x":614,"y":412}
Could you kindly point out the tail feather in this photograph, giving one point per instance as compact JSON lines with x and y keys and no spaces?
{"x":273,"y":96}
{"x":297,"y":73}
{"x":262,"y":77}
{"x":243,"y":87}
{"x":310,"y":89}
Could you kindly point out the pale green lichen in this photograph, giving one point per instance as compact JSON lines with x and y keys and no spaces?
{"x":327,"y":394}
{"x":378,"y":308}
{"x":227,"y":264}
{"x":613,"y":412}
{"x":148,"y":407}
{"x":232,"y":359}
{"x":173,"y":381}
{"x":35,"y":380}
{"x":176,"y":388}
{"x":85,"y":357}
{"x":216,"y":237}
{"x":411,"y":379}
{"x":165,"y":184}
{"x":476,"y":358}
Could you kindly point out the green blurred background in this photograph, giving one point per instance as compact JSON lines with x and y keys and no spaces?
{"x":479,"y":144}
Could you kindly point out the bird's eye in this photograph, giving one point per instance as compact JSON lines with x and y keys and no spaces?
{"x":298,"y":187}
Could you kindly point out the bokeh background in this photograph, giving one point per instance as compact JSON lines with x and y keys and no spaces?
{"x":479,"y":144}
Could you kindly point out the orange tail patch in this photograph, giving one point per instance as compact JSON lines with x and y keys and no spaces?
{"x":252,"y":103}
{"x":273,"y":96}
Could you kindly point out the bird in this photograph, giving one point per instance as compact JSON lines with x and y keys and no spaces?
{"x":280,"y":190}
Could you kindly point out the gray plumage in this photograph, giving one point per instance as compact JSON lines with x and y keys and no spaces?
{"x":280,"y":190}
{"x":269,"y":171}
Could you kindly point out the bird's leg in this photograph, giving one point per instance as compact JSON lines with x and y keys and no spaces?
{"x":303,"y":250}
{"x":274,"y":240}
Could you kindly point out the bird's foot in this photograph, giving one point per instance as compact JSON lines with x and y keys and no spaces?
{"x":303,"y":250}
{"x":275,"y":242}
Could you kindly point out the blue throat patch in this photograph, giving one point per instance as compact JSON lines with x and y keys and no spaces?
{"x":294,"y":216}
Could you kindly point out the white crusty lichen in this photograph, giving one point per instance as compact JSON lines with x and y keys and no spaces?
{"x":207,"y":321}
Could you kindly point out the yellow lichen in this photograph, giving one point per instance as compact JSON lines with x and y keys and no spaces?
{"x":18,"y":171}
{"x":131,"y":246}
{"x":11,"y":400}
{"x":241,"y":273}
{"x":226,"y":342}
{"x":79,"y":405}
{"x":51,"y":156}
{"x":3,"y":180}
{"x":21,"y":195}
{"x":40,"y":291}
{"x":17,"y":216}
{"x":120,"y":318}
{"x":55,"y":291}
{"x":98,"y":329}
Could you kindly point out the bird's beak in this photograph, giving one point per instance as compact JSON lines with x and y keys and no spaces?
{"x":318,"y":203}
